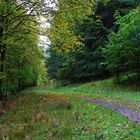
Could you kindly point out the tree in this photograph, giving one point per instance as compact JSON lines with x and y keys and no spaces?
{"x":123,"y":49}
{"x":17,"y":19}
{"x":64,"y":40}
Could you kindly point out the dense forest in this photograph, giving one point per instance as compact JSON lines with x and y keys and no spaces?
{"x":90,"y":40}
{"x":93,"y":40}
{"x":21,"y":60}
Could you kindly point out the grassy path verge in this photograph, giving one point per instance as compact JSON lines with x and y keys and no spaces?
{"x":50,"y":113}
{"x":61,"y":117}
{"x":132,"y":115}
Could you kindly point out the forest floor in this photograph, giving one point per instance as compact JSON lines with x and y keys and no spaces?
{"x":65,"y":113}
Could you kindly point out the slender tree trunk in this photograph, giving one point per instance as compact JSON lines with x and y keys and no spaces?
{"x":118,"y":76}
{"x":19,"y":85}
{"x":2,"y":56}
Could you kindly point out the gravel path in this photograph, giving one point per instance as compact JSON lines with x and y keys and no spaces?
{"x":120,"y":100}
{"x":132,"y":115}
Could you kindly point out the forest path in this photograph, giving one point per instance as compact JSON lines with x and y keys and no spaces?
{"x":128,"y":113}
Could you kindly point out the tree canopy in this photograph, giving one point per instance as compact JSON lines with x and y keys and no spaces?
{"x":20,"y":56}
{"x":81,"y":36}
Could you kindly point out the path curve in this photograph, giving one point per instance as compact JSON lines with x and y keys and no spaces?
{"x":128,"y":113}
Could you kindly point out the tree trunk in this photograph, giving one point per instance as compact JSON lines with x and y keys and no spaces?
{"x":118,"y":76}
{"x":2,"y":57}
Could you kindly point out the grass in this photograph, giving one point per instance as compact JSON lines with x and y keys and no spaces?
{"x":47,"y":113}
{"x":58,"y":117}
{"x":106,"y":90}
{"x":96,"y":89}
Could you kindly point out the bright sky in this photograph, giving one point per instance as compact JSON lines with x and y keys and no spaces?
{"x":43,"y":40}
